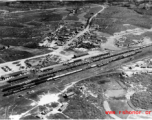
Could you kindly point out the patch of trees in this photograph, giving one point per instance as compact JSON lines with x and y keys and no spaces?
{"x":142,"y":100}
{"x":86,"y":45}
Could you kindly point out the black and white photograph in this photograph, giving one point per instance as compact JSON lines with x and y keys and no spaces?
{"x":75,"y":59}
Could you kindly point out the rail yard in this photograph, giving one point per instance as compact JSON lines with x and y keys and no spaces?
{"x":21,"y":81}
{"x":75,"y":60}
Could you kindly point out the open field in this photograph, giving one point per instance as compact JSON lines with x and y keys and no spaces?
{"x":113,"y":18}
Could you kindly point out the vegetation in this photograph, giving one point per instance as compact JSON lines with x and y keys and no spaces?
{"x":57,"y":116}
{"x":144,"y":79}
{"x":93,"y":11}
{"x":10,"y":55}
{"x":79,"y":108}
{"x":113,"y":18}
{"x":144,"y":12}
{"x":142,"y":100}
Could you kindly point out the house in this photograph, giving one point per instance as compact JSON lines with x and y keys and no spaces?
{"x":70,"y":94}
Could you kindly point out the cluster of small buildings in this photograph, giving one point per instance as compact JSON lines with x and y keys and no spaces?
{"x":139,"y":67}
{"x":124,"y":42}
{"x":42,"y":61}
{"x":63,"y":34}
{"x":59,"y":108}
{"x":7,"y":69}
{"x":16,"y":68}
{"x":88,"y":41}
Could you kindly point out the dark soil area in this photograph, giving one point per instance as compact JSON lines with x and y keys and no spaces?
{"x":11,"y":55}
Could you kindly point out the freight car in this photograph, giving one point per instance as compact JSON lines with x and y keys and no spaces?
{"x":8,"y":93}
{"x":71,"y":62}
{"x":46,"y":69}
{"x":11,"y":87}
{"x":20,"y":78}
{"x":47,"y":76}
{"x":72,"y":72}
{"x":100,"y":55}
{"x":51,"y":75}
{"x":22,"y":88}
{"x":16,"y":74}
{"x":80,"y":55}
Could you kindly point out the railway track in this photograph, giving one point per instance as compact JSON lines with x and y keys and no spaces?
{"x":52,"y":76}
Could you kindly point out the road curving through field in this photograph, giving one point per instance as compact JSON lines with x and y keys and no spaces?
{"x":107,"y":108}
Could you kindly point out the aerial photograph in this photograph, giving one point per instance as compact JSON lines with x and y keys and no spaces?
{"x":75,"y":59}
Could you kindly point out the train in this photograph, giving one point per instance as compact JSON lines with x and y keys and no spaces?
{"x":28,"y":82}
{"x":8,"y":93}
{"x":19,"y":88}
{"x":14,"y":89}
{"x":51,"y":75}
{"x":80,"y":55}
{"x":70,"y":62}
{"x":19,"y":78}
{"x":107,"y":53}
{"x":75,"y":63}
{"x":46,"y":69}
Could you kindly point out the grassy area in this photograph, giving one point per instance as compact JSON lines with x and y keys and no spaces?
{"x":92,"y":11}
{"x":57,"y":116}
{"x":73,"y":17}
{"x":143,"y":11}
{"x":111,"y":20}
{"x":50,"y":17}
{"x":118,"y":105}
{"x":27,"y":5}
{"x":11,"y":55}
{"x":79,"y":108}
{"x":27,"y":28}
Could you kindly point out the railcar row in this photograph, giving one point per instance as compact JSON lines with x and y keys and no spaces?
{"x":73,"y":64}
{"x":80,"y":62}
{"x":18,"y":88}
{"x":76,"y":64}
{"x":11,"y":87}
{"x":46,"y":69}
{"x":28,"y":82}
{"x":19,"y":78}
{"x":14,"y":89}
{"x":119,"y":58}
{"x":52,"y":75}
{"x":11,"y":76}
